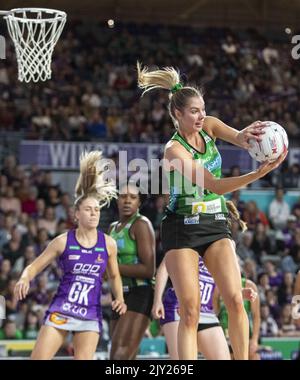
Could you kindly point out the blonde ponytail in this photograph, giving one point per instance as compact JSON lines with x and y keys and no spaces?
{"x":235,"y":215}
{"x":91,"y":181}
{"x":167,"y":78}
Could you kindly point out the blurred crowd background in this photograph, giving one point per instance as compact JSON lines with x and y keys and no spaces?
{"x":93,"y":96}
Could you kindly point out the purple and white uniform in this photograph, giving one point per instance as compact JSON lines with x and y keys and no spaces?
{"x":207,"y":286}
{"x":77,"y":303}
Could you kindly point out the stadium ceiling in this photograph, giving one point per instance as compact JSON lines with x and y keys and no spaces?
{"x":263,"y":14}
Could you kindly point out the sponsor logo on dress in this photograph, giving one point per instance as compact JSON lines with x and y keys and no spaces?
{"x":87,"y":269}
{"x":74,"y":247}
{"x":75,"y":309}
{"x":220,"y":217}
{"x":99,"y":259}
{"x":58,"y":319}
{"x":74,"y":257}
{"x":87,"y":251}
{"x":121,"y":243}
{"x":191,"y":219}
{"x":84,"y":279}
{"x":99,"y":249}
{"x":208,"y":207}
{"x":215,"y":164}
{"x":198,"y":207}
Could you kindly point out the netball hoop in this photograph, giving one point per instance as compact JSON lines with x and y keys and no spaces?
{"x":35,"y":32}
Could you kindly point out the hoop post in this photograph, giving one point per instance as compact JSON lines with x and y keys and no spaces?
{"x":5,"y":13}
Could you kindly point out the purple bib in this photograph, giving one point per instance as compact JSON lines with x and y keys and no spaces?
{"x":207,"y":286}
{"x":79,"y":292}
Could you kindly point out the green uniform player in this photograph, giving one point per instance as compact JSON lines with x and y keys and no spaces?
{"x":127,"y":251}
{"x":195,"y":217}
{"x":196,"y":220}
{"x":187,"y":198}
{"x":135,"y":239}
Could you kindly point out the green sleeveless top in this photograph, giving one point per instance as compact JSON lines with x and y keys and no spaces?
{"x":223,"y":314}
{"x":127,"y":251}
{"x":187,"y":198}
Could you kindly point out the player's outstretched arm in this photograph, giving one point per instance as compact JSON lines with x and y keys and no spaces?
{"x":217,"y":129}
{"x":114,"y":276}
{"x":53,"y":250}
{"x":178,"y":158}
{"x":161,"y":279}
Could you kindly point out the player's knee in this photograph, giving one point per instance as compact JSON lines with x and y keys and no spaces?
{"x":189,"y":313}
{"x":235,"y":304}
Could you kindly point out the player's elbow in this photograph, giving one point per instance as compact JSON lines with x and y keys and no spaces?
{"x":113,"y":276}
{"x":149,"y":273}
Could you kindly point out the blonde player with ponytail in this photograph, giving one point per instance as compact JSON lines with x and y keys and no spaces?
{"x":84,"y":254}
{"x":196,"y":218}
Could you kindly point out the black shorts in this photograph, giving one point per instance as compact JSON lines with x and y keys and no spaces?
{"x":138,"y":299}
{"x":205,"y":326}
{"x":195,"y":231}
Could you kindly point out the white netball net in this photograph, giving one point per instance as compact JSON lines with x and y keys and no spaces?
{"x":35,"y":32}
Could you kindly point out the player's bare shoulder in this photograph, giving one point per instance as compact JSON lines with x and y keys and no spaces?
{"x":112,"y":226}
{"x":140,"y":224}
{"x":172,"y":149}
{"x":169,"y":146}
{"x":210,"y":122}
{"x":111,"y":244}
{"x":59,"y":243}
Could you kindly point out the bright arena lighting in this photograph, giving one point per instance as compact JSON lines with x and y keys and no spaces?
{"x":111,"y":23}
